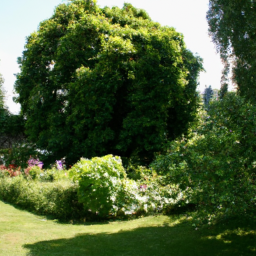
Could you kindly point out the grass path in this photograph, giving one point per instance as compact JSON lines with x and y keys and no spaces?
{"x":23,"y":233}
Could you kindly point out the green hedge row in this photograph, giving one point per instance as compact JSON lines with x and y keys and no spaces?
{"x":57,"y":199}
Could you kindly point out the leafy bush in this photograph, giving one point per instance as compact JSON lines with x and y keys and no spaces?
{"x":54,"y":174}
{"x":33,"y":171}
{"x":105,"y":190}
{"x":218,"y":160}
{"x":99,"y":182}
{"x":58,"y":199}
{"x":138,"y":172}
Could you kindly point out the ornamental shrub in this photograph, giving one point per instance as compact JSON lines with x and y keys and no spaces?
{"x":57,"y":199}
{"x":105,"y":190}
{"x":33,"y":171}
{"x":53,"y":174}
{"x":99,"y":182}
{"x":217,"y":161}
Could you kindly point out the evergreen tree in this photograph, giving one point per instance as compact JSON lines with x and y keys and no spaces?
{"x":223,"y":90}
{"x":208,"y":93}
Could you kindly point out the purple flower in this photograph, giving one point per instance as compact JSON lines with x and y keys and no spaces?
{"x":32,"y":162}
{"x":59,"y":164}
{"x":230,"y":130}
{"x":40,"y":165}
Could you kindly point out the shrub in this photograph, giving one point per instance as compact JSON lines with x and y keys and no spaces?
{"x":218,"y":160}
{"x":99,"y":182}
{"x":33,"y":171}
{"x":58,"y":199}
{"x":105,"y":190}
{"x":54,"y":174}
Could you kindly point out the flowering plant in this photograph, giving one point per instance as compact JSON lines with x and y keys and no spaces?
{"x":60,"y":164}
{"x":35,"y":162}
{"x":12,"y":170}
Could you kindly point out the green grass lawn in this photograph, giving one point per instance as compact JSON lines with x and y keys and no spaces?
{"x":23,"y":233}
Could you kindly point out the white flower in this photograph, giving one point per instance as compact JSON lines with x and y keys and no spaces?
{"x":105,"y":175}
{"x":113,"y":198}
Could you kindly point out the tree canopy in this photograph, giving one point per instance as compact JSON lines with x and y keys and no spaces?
{"x":1,"y":91}
{"x":232,"y":26}
{"x":106,"y":81}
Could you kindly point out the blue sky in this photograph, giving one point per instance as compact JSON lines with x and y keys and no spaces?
{"x":19,"y":19}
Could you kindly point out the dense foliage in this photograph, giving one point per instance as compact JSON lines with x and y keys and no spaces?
{"x":11,"y":126}
{"x":99,"y":182}
{"x":58,"y":199}
{"x":218,"y":160}
{"x":105,"y":190}
{"x":232,"y":27}
{"x":99,"y":81}
{"x":94,"y":189}
{"x":1,"y":91}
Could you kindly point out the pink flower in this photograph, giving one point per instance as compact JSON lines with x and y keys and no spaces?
{"x":143,"y":187}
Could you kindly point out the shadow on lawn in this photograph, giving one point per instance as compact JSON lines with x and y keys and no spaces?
{"x":177,"y":240}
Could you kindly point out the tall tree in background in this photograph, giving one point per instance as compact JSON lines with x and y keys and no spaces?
{"x":98,"y":81}
{"x":1,"y":91}
{"x":232,"y":26}
{"x":11,"y":126}
{"x":223,"y":90}
{"x":208,"y":93}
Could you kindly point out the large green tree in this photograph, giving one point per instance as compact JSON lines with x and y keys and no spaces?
{"x":232,"y":25}
{"x":98,"y":81}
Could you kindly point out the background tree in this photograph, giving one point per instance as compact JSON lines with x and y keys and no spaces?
{"x":106,"y":81}
{"x":11,"y":126}
{"x":1,"y":91}
{"x":208,"y":94}
{"x":223,"y":90}
{"x":232,"y":27}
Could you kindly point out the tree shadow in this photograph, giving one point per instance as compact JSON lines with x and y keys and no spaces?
{"x":229,"y":239}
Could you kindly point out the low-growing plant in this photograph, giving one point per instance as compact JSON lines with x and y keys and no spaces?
{"x":54,"y":174}
{"x":11,"y":171}
{"x":33,"y":171}
{"x":4,"y":173}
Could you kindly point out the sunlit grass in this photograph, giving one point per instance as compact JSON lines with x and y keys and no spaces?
{"x":23,"y":233}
